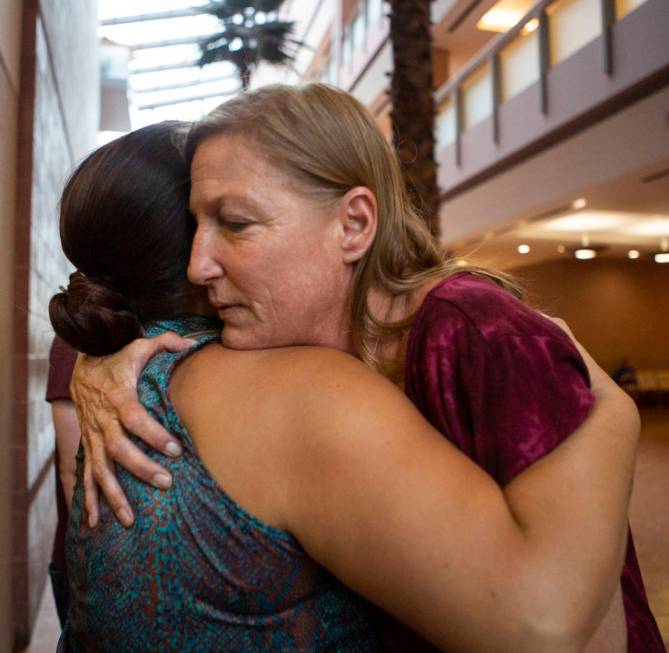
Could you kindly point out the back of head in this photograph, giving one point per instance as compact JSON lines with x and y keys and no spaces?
{"x":125,"y":226}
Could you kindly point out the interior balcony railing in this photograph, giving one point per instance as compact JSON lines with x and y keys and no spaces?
{"x":566,"y":62}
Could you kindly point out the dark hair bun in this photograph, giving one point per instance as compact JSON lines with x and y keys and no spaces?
{"x":93,"y":317}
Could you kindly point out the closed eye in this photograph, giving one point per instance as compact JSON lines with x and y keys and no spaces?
{"x":234,"y":225}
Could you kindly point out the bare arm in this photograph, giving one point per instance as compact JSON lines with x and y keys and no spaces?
{"x":404,"y":518}
{"x":611,"y":635}
{"x":68,"y":436}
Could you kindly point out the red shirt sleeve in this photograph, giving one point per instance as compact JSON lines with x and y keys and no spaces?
{"x":501,"y":382}
{"x":61,"y":363}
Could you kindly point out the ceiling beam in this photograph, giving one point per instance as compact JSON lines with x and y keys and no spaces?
{"x":193,"y":98}
{"x":161,"y":15}
{"x":195,"y":82}
{"x":168,"y":66}
{"x":185,"y":40}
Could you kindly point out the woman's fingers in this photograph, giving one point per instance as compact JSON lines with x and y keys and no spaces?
{"x":119,"y":448}
{"x":103,"y":473}
{"x":91,"y":499}
{"x":134,"y":418}
{"x":105,"y":394}
{"x":142,"y":350}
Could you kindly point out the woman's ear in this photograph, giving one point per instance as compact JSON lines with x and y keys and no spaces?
{"x":358,"y":220}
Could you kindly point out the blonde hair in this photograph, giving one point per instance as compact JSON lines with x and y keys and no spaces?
{"x":325,"y":138}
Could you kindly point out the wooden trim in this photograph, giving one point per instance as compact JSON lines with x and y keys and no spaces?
{"x":22,"y":619}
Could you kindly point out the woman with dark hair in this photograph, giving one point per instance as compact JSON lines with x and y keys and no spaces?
{"x":288,"y":480}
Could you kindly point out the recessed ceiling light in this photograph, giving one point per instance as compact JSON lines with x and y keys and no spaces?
{"x":584,"y":253}
{"x":504,"y":15}
{"x":580,"y":203}
{"x":633,"y":254}
{"x":523,"y":249}
{"x":662,"y":257}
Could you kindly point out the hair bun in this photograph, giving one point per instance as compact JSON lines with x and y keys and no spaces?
{"x":93,"y":317}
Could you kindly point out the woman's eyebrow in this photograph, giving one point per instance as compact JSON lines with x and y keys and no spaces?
{"x":232,"y":201}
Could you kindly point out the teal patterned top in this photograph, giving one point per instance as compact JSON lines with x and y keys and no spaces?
{"x":196,"y":572}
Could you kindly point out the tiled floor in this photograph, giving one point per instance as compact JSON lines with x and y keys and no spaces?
{"x":649,"y":517}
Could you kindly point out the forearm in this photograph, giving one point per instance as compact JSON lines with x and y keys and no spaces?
{"x":68,"y":437}
{"x":571,"y":507}
{"x":611,"y":634}
{"x":68,"y":480}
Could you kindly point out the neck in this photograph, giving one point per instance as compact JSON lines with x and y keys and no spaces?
{"x":388,"y":308}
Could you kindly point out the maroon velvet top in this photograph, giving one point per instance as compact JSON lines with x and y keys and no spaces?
{"x":61,"y":363}
{"x":506,"y":386}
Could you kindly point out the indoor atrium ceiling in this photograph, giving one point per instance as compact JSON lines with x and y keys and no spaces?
{"x":628,"y":214}
{"x":164,"y":81}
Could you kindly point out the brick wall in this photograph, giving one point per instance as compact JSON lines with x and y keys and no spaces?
{"x":58,"y":115}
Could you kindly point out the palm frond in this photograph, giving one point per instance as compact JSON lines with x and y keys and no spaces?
{"x":248,"y":42}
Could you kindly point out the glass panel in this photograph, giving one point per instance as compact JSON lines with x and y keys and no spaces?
{"x":573,"y":24}
{"x":346,"y":48}
{"x":359,"y":30}
{"x":519,"y":64}
{"x":477,"y":97}
{"x":445,"y":124}
{"x":375,"y":9}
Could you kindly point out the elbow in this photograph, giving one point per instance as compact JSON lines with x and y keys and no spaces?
{"x":557,"y":625}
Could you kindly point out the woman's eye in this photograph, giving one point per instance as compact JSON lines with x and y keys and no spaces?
{"x":234,"y":225}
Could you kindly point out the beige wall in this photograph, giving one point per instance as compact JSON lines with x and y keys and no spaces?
{"x":10,"y":29}
{"x":58,"y":117}
{"x":616,"y":308}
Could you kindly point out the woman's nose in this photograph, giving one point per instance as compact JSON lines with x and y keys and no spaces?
{"x":202,"y":266}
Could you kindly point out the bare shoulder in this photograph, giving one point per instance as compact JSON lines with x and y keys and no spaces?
{"x":289,"y":378}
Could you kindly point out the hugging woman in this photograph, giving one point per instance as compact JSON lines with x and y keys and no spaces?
{"x":292,"y":253}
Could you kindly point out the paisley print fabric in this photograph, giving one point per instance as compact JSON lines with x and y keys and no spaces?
{"x":196,"y":572}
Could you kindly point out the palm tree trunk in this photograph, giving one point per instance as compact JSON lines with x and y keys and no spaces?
{"x":413,"y":110}
{"x":245,"y":74}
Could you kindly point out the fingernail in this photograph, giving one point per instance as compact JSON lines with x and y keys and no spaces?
{"x":125,"y":517}
{"x":162,"y":481}
{"x":173,"y":449}
{"x":190,"y":342}
{"x":91,"y":522}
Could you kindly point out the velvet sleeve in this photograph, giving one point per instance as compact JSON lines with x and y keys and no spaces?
{"x":504,"y":396}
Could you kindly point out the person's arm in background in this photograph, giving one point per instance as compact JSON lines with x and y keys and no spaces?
{"x":61,"y":363}
{"x":68,"y":436}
